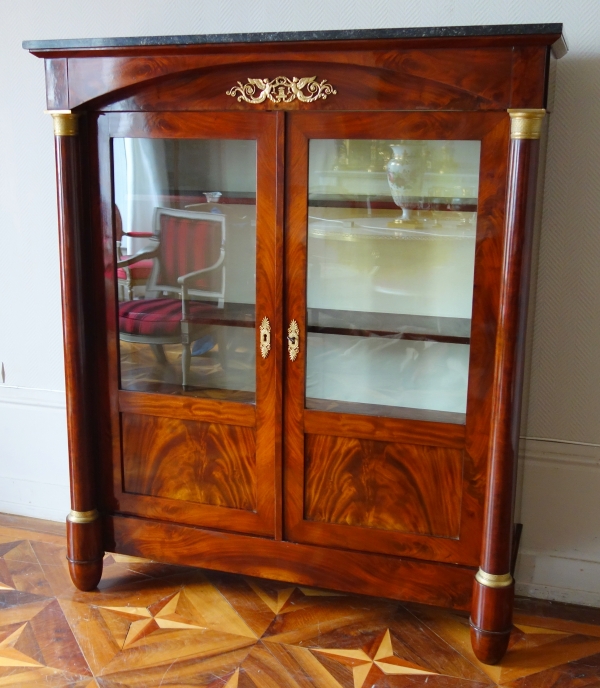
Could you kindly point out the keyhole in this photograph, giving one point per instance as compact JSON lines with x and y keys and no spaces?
{"x":264,"y":337}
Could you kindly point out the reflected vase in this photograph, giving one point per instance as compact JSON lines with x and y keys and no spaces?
{"x":405,"y":173}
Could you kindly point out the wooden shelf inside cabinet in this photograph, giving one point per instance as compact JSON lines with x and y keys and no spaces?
{"x":464,"y":205}
{"x":353,"y":408}
{"x":310,"y":367}
{"x":185,"y":198}
{"x":395,"y":326}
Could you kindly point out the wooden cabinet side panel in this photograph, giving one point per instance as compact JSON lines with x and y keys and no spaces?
{"x":529,"y":77}
{"x":57,"y":85}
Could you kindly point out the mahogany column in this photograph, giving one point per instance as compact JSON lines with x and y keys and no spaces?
{"x":84,"y":541}
{"x":491,"y":615}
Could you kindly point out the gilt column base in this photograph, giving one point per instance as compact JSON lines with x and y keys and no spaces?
{"x":491,"y":619}
{"x":84,"y":549}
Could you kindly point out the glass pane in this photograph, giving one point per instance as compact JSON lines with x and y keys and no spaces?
{"x":391,"y":248}
{"x":185,"y":218}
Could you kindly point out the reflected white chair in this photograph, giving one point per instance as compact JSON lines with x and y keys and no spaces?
{"x":185,"y":289}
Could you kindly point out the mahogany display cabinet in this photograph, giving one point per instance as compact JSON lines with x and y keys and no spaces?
{"x":295,"y":272}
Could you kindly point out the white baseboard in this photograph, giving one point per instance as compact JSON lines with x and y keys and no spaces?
{"x":560,"y":512}
{"x":34,"y":472}
{"x":567,"y":454}
{"x":548,"y":592}
{"x":558,"y":578}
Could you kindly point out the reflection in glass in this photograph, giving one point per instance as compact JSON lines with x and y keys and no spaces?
{"x":391,"y":247}
{"x":185,"y":221}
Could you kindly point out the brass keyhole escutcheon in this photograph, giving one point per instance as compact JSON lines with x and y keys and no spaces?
{"x":265,"y":337}
{"x":293,"y":340}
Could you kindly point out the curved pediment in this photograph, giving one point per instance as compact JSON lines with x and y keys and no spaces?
{"x":384,"y":79}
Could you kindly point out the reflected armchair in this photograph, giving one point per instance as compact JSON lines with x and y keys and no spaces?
{"x":130,"y":273}
{"x":186,"y":286}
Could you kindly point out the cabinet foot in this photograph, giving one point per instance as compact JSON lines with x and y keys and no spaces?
{"x":85,"y":574}
{"x":489,"y":646}
{"x":491,"y":620}
{"x":84,"y":551}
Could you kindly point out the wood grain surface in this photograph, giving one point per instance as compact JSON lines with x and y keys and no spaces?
{"x":509,"y":357}
{"x":84,"y":541}
{"x":78,"y":364}
{"x":492,"y":608}
{"x":399,"y":487}
{"x":382,"y":429}
{"x":491,"y":621}
{"x":188,"y":408}
{"x":259,"y":514}
{"x":376,"y":75}
{"x":190,"y":461}
{"x":492,"y":130}
{"x":85,"y":554}
{"x":368,"y":574}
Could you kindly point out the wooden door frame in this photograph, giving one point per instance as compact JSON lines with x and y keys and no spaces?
{"x":492,"y":129}
{"x":265,"y":416}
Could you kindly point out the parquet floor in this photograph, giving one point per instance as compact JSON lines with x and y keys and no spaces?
{"x":150,"y":625}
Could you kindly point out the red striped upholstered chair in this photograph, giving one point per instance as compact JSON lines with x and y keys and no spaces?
{"x":130,"y":274}
{"x":186,"y":287}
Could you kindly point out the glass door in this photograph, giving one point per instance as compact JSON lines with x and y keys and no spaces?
{"x":185,"y":212}
{"x":384,"y":229}
{"x":190,"y":250}
{"x":390,"y":257}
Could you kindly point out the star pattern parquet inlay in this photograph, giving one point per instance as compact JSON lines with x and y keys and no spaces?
{"x":152,"y":624}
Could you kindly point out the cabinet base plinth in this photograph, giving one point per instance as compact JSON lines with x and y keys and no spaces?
{"x":85,"y":554}
{"x":362,"y":573}
{"x":491,"y":621}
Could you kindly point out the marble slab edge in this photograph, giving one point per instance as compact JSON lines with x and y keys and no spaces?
{"x":559,"y":47}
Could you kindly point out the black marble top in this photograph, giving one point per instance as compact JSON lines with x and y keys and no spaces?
{"x":287,"y":36}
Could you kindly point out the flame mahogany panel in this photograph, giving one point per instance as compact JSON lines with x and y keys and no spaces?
{"x":397,"y":487}
{"x":189,"y":461}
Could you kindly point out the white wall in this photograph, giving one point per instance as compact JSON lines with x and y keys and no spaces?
{"x":560,"y":483}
